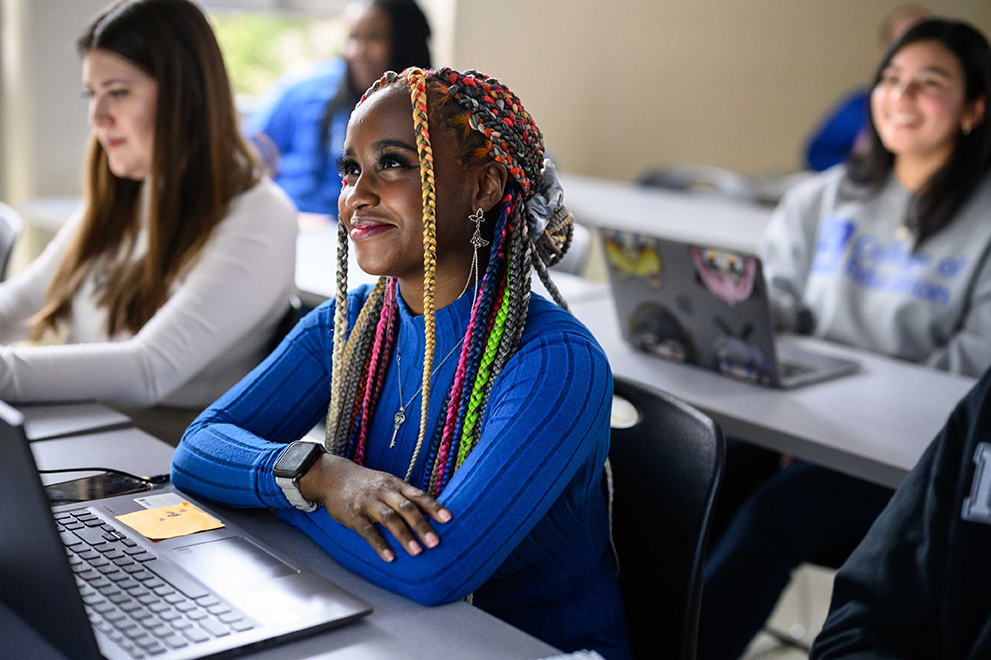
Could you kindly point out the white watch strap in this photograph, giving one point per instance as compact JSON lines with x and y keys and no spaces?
{"x":291,"y":490}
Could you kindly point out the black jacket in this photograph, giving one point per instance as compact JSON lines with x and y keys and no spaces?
{"x":919,"y":585}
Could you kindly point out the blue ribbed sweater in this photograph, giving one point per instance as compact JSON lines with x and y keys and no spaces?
{"x":529,"y":532}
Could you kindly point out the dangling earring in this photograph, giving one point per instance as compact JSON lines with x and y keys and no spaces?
{"x":478,"y":217}
{"x":965,"y":129}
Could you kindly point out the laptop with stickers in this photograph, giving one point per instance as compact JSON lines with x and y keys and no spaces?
{"x":152,"y":574}
{"x":705,"y":306}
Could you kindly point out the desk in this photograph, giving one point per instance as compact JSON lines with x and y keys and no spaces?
{"x":717,"y":221}
{"x":49,"y":213}
{"x":316,"y":272}
{"x":398,"y":628}
{"x":873,"y":425}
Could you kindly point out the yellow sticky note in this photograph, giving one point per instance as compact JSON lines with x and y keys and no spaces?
{"x":167,"y":522}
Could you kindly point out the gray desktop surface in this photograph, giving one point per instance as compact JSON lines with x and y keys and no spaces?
{"x":731,"y":224}
{"x":56,"y":420}
{"x":131,"y":450}
{"x":398,"y":628}
{"x":874,"y":424}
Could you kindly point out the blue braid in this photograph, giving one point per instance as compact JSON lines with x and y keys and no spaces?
{"x":480,"y":336}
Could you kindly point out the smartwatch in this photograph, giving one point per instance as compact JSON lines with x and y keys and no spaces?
{"x":293,"y":464}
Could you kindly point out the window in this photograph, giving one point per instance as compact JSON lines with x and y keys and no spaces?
{"x":263,"y":39}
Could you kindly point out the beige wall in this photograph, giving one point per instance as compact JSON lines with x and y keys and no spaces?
{"x":42,"y":113}
{"x":619,"y":86}
{"x":616,"y":86}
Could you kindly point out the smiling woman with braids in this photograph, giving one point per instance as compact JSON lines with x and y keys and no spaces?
{"x":480,"y":472}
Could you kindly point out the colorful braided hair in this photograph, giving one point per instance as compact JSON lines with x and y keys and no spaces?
{"x":489,"y":123}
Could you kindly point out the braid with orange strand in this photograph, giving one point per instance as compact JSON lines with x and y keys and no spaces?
{"x":489,"y":123}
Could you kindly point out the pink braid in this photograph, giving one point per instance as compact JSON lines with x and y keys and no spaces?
{"x":370,"y":389}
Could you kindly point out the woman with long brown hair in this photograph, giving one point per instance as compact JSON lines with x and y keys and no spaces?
{"x":167,"y":285}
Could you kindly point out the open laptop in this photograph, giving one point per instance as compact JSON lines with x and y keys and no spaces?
{"x":92,"y":586}
{"x":705,"y":306}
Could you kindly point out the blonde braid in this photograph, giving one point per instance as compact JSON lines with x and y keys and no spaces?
{"x":418,"y":96}
{"x":349,"y":376}
{"x":340,"y":330}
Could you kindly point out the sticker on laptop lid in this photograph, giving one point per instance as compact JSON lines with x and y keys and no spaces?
{"x":168,"y":522}
{"x":161,"y":499}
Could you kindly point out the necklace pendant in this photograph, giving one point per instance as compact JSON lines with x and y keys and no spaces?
{"x":397,"y":422}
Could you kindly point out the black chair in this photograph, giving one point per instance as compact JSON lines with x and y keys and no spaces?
{"x":708,"y":179}
{"x":292,"y":316}
{"x":667,"y":463}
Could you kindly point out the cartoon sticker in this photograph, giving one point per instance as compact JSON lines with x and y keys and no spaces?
{"x":730,"y":277}
{"x":633,"y":256}
{"x":657,"y":331}
{"x":736,"y":356}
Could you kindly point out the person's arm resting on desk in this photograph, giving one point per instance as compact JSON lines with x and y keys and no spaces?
{"x":225,"y":295}
{"x":968,"y":350}
{"x":787,"y":250}
{"x":539,"y":429}
{"x":23,"y":295}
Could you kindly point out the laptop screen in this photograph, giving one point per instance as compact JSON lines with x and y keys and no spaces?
{"x":692,"y":303}
{"x":35,"y":580}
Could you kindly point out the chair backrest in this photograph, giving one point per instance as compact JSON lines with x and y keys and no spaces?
{"x":10,"y":228}
{"x":701,"y":178}
{"x":667,"y":467}
{"x":287,"y":323}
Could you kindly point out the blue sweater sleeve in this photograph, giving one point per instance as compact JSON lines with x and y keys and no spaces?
{"x":541,"y":426}
{"x":547,"y":416}
{"x":227,"y":454}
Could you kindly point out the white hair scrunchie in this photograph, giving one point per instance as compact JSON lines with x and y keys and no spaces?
{"x":542,"y":206}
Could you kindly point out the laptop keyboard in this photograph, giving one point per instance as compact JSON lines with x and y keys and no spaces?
{"x":145,"y":605}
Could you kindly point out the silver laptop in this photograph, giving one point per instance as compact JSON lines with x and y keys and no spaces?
{"x":706,"y":306}
{"x":93,"y":587}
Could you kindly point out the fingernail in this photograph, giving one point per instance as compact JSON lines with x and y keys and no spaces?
{"x":388,"y":555}
{"x":431,"y":540}
{"x":445,"y":515}
{"x":415,"y":548}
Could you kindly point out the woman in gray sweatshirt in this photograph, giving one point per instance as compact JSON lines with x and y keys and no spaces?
{"x":889,"y":253}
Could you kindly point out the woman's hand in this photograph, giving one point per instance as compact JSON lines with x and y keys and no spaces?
{"x":358,"y":497}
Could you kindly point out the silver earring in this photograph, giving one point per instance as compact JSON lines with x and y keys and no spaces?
{"x":478,"y":217}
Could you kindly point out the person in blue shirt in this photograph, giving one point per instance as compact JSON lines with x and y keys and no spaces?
{"x":467,"y":419}
{"x":299,"y":126}
{"x":844,"y":129}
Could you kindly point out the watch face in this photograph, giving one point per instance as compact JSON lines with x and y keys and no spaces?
{"x":295,"y":459}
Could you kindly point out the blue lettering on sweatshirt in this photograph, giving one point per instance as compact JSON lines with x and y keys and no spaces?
{"x":883,"y":266}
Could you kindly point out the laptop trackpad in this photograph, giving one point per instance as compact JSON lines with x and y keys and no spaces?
{"x":234,"y":561}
